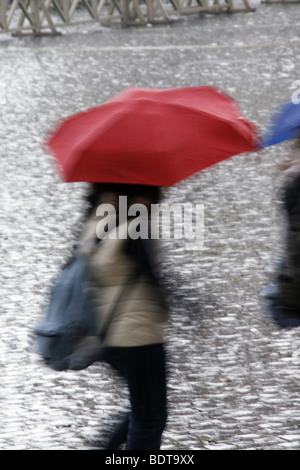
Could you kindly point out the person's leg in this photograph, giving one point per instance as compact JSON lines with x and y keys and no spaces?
{"x":144,"y":369}
{"x":288,"y":279}
{"x":119,"y":436}
{"x":146,"y":377}
{"x":282,"y":299}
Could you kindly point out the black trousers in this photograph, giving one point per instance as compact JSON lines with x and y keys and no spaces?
{"x":144,"y":370}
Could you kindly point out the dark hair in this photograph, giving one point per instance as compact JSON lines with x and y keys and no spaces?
{"x":153,"y":193}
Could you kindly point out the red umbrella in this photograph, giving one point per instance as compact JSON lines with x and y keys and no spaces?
{"x":155,"y":137}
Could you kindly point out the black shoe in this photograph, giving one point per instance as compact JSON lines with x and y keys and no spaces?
{"x":280,"y":314}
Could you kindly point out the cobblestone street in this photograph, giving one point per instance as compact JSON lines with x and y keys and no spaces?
{"x":234,"y":377}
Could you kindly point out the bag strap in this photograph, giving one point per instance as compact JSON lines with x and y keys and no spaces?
{"x":124,"y":291}
{"x":88,"y":248}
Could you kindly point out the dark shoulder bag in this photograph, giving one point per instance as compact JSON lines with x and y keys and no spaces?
{"x":70,"y":318}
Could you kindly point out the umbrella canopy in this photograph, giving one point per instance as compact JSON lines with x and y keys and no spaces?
{"x":284,"y":124}
{"x":151,"y":136}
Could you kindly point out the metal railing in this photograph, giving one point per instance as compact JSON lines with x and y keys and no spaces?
{"x":46,"y":16}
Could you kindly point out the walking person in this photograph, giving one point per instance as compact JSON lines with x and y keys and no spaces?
{"x":143,"y":139}
{"x":134,"y":342}
{"x":283,"y":298}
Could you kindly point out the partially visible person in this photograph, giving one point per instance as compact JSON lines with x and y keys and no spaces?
{"x":134,"y":343}
{"x":283,"y":298}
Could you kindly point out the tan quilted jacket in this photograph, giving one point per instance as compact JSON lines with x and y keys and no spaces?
{"x":140,"y":317}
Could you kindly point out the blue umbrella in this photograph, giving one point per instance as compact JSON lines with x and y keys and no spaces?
{"x":285,"y":125}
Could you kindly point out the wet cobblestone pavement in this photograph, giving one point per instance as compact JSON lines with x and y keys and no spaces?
{"x":234,"y":378}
